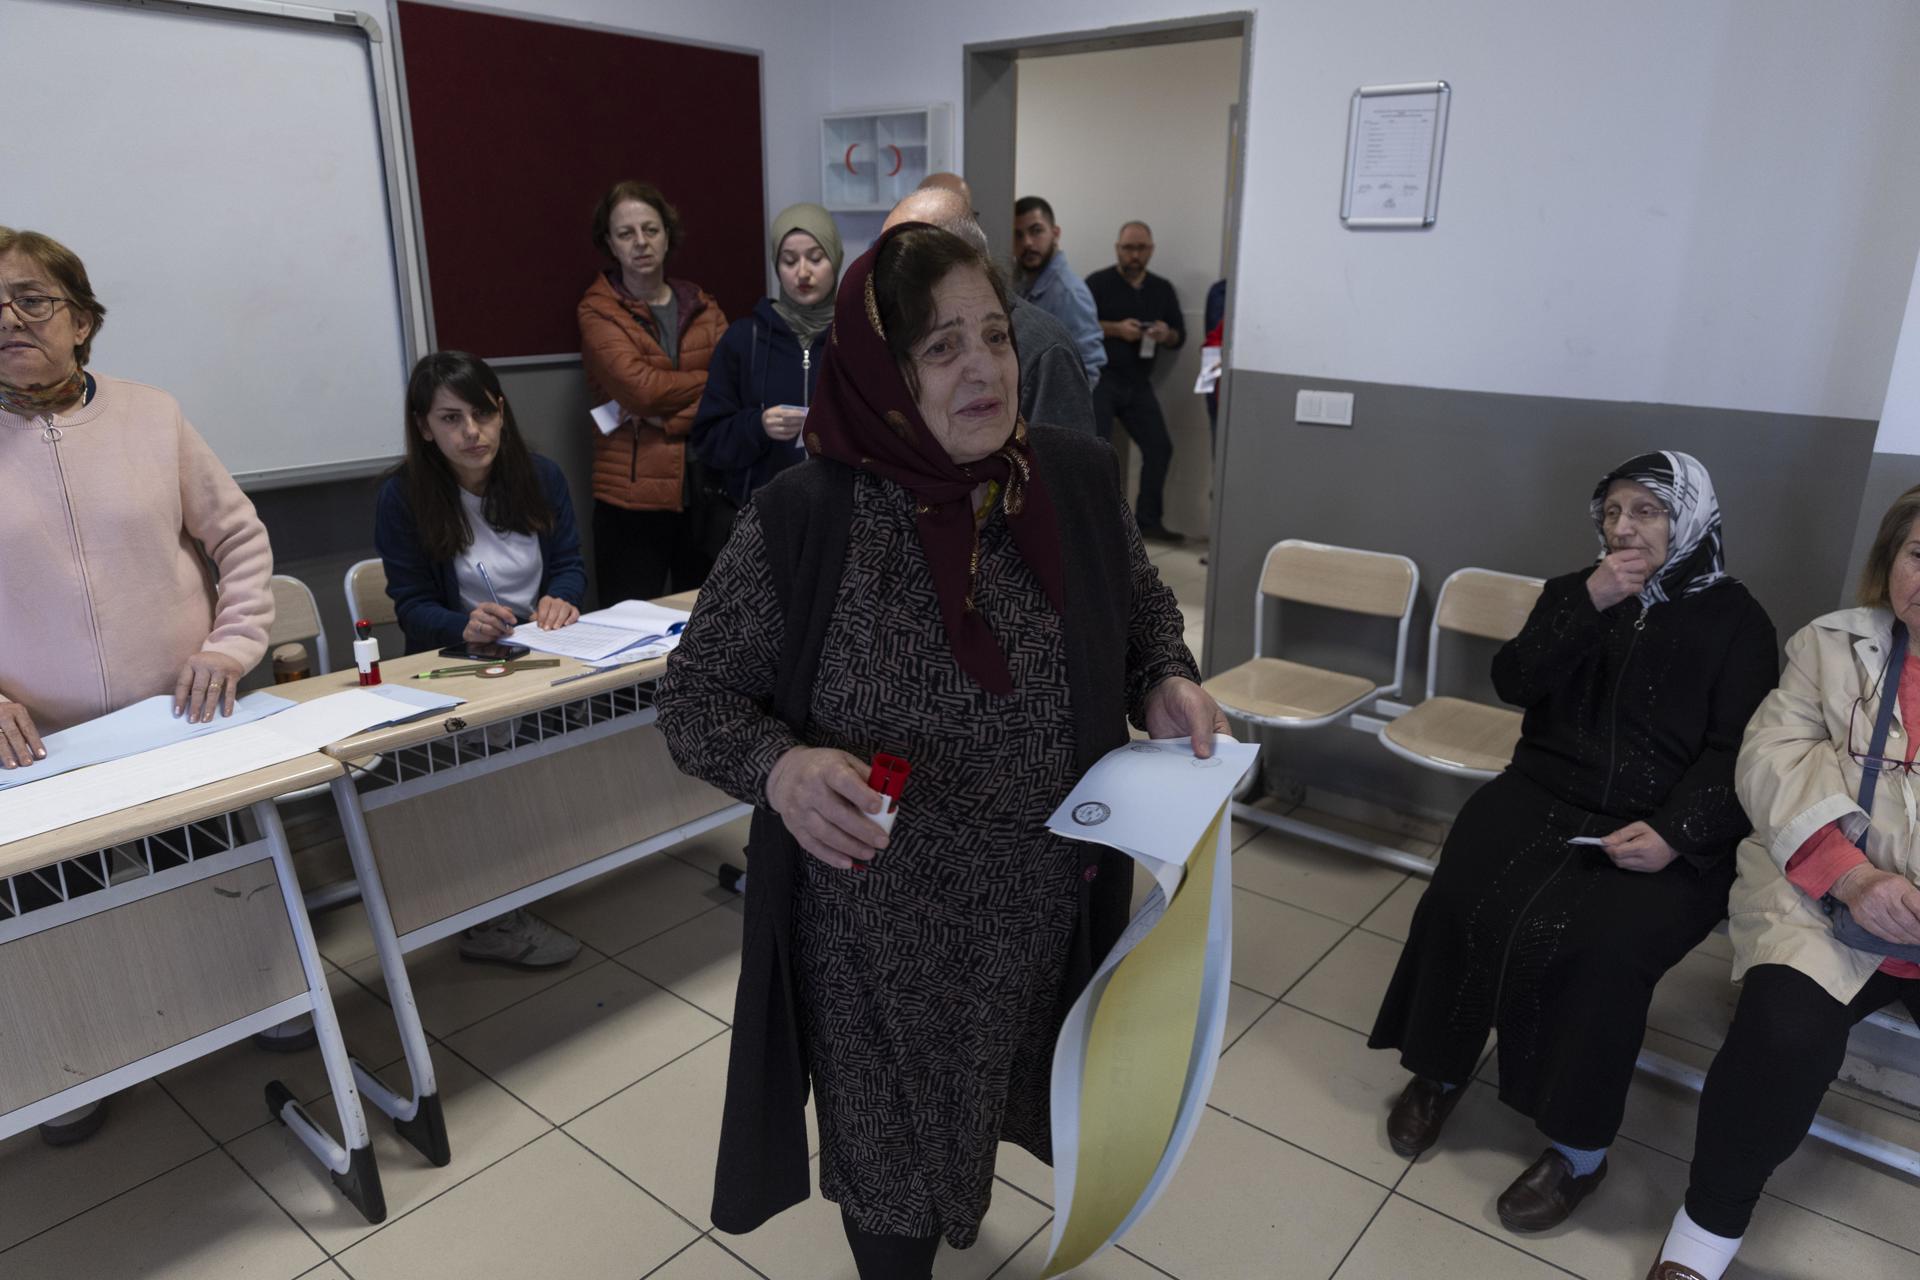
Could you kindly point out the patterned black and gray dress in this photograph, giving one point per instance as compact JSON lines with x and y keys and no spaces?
{"x":930,"y":985}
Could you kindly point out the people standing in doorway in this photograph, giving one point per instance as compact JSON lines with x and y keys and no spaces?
{"x":1043,"y":278}
{"x":1053,"y":383}
{"x":1139,"y":314}
{"x":760,"y":387}
{"x":646,"y":341}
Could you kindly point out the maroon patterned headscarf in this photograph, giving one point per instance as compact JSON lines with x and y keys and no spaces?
{"x":864,"y":415}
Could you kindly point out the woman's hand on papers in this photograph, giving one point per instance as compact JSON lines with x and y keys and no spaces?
{"x":1886,"y":905}
{"x":489,"y":622}
{"x":823,"y":797}
{"x":1179,"y":708}
{"x":552,"y":613}
{"x":208,"y":682}
{"x":20,"y":742}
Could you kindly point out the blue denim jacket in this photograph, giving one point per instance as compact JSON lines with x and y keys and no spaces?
{"x":1065,"y":296}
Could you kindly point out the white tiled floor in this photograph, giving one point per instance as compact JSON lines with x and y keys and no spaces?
{"x":584,"y":1106}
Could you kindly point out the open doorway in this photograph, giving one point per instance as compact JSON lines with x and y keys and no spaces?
{"x":1114,"y":126}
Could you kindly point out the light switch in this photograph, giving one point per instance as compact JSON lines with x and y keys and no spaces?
{"x":1324,"y":408}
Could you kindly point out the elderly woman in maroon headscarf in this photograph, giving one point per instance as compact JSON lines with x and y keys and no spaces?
{"x":945,"y":584}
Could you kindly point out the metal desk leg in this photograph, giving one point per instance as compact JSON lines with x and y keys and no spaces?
{"x":419,"y":1119}
{"x":352,"y":1165}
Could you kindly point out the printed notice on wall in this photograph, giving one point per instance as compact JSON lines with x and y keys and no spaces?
{"x":1395,"y":136}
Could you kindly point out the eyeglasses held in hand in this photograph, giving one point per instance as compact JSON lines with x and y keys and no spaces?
{"x":1885,"y":764}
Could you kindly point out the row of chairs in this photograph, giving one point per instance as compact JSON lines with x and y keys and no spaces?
{"x":296,"y":614}
{"x":1459,"y":736}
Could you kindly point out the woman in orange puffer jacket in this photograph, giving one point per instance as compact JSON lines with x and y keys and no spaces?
{"x":646,"y":340}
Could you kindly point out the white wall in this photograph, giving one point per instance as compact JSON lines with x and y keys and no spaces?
{"x":1705,"y":203}
{"x":791,"y":34}
{"x":1085,"y":122}
{"x":1900,"y":418}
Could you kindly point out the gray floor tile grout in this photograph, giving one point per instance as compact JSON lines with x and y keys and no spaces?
{"x":1288,"y":902}
{"x":632,"y":1182}
{"x":586,"y":1111}
{"x":1282,"y":1138}
{"x":668,"y":1260}
{"x":1373,"y":1218}
{"x":1019,"y":1249}
{"x":393,"y":1218}
{"x":1482,"y":1231}
{"x":722,"y":1246}
{"x":55,"y":1226}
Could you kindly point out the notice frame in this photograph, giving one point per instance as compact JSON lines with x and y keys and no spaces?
{"x":1396,"y":142}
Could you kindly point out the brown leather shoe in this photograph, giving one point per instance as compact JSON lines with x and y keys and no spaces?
{"x":1415,"y":1122}
{"x":1543,"y":1196}
{"x":1673,"y":1271}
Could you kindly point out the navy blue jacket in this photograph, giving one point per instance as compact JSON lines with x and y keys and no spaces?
{"x":757,"y":365}
{"x":426,"y":598}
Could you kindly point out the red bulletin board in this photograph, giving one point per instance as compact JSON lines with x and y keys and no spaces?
{"x":519,"y":126}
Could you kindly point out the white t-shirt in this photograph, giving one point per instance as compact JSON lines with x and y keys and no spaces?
{"x":513,"y":562}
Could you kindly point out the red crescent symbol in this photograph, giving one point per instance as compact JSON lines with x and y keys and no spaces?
{"x":849,"y":160}
{"x":896,"y":161}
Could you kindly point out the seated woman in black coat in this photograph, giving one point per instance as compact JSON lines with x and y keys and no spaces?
{"x":477,"y":535}
{"x":1638,"y":676}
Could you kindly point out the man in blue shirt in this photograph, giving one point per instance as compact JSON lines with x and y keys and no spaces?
{"x":1045,"y":280}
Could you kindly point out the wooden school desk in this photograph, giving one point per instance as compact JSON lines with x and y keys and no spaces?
{"x":527,"y":788}
{"x":140,"y":940}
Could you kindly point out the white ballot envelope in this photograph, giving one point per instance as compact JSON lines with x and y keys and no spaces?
{"x":1136,"y":1056}
{"x":608,"y":416}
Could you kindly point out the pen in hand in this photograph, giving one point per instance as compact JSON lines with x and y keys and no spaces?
{"x":486,"y":580}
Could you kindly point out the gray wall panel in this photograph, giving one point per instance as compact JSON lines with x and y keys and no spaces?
{"x":1889,"y":476}
{"x":1457,"y":478}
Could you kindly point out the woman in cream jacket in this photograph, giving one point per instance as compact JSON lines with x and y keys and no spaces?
{"x":1825,"y":913}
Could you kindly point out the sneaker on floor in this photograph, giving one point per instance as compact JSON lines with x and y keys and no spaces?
{"x":291,"y":1036}
{"x":76,"y":1126}
{"x":1160,"y":533}
{"x":522,"y":940}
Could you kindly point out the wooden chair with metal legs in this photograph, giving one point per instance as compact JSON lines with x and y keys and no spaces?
{"x":366,"y":587}
{"x":1277,"y":693}
{"x":1460,"y":736}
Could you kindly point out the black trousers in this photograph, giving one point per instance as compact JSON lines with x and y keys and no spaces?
{"x":1551,"y":944}
{"x":890,"y":1257}
{"x":1133,"y":402}
{"x":1786,"y":1045}
{"x":642,"y":555}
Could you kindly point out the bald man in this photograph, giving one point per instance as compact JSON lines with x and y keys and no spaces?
{"x":1053,"y":387}
{"x":1139,"y":314}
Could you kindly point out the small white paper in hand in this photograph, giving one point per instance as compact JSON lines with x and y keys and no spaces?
{"x":608,"y":417}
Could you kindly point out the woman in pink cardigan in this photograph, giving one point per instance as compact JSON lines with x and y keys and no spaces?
{"x":134,"y":566}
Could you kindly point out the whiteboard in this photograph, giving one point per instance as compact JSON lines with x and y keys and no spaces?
{"x":226,"y":179}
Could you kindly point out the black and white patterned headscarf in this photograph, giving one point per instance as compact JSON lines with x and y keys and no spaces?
{"x":1695,"y":560}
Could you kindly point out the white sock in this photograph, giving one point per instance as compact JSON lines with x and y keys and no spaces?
{"x":1692,"y":1245}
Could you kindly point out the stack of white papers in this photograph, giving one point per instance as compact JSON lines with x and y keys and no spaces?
{"x":631,"y":631}
{"x":143,"y":726}
{"x":207,"y":757}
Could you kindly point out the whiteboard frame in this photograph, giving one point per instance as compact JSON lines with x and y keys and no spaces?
{"x":1439,"y":90}
{"x":408,"y":276}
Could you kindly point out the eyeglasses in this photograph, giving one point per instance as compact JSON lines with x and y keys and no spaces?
{"x":1884,"y":764}
{"x":33,"y":307}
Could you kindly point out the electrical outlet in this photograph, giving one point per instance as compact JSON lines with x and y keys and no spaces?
{"x":1324,"y":408}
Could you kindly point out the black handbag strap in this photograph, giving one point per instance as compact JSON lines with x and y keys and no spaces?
{"x":1883,"y":723}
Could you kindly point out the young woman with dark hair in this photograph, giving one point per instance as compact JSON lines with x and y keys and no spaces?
{"x":477,"y":535}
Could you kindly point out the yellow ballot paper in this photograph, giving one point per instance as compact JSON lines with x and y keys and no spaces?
{"x":1137,"y":1053}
